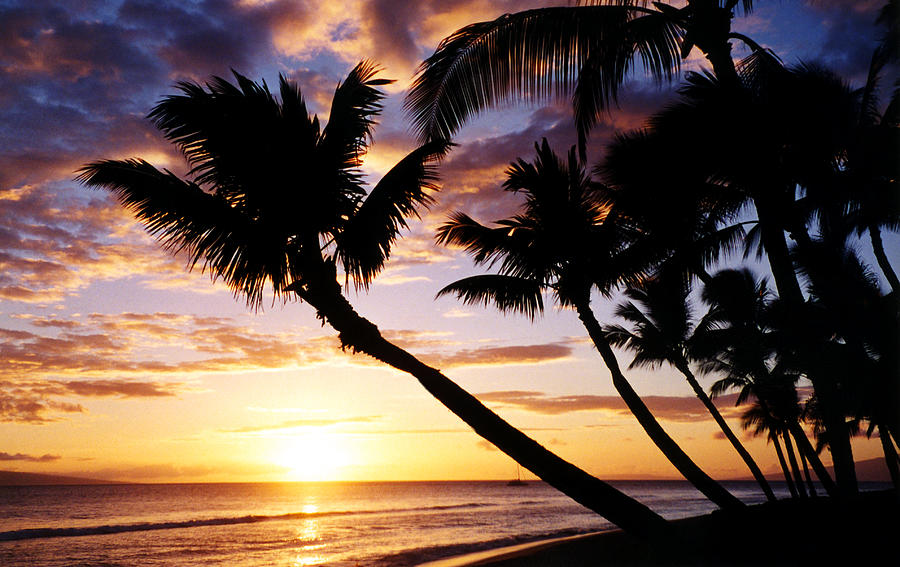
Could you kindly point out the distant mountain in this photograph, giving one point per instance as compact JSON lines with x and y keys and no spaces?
{"x":13,"y":478}
{"x":870,"y":470}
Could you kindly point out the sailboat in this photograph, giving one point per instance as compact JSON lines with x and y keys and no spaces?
{"x":518,"y":480}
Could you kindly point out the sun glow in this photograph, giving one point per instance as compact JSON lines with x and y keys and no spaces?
{"x":313,"y":456}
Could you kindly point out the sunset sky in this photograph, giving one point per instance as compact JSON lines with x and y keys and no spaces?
{"x":115,"y":362}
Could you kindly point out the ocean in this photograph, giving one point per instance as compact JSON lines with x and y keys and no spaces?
{"x":298,"y":524}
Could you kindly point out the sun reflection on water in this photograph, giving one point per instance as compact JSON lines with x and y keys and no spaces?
{"x":308,"y":537}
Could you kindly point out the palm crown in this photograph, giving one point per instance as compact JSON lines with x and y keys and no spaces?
{"x":271,"y":195}
{"x":560,"y":241}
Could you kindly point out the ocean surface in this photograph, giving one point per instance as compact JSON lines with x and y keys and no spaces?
{"x":297,"y":524}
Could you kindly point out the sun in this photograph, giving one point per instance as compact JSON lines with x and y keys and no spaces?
{"x":313,"y":456}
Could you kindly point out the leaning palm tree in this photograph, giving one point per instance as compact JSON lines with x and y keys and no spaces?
{"x":659,"y":318}
{"x":274,"y":200}
{"x":738,"y":340}
{"x":587,"y":50}
{"x":564,"y":241}
{"x":794,"y":127}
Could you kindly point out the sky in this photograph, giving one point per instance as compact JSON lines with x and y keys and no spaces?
{"x":118,"y":363}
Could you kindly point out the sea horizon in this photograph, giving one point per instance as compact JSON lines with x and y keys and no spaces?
{"x":369,"y":523}
{"x":868,"y":470}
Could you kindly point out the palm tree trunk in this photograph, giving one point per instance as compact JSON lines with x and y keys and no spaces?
{"x":784,"y":468}
{"x":683,"y":367}
{"x":795,"y":468}
{"x":709,"y":28}
{"x":838,"y":440}
{"x":360,"y":335}
{"x":830,"y":404}
{"x":807,"y":449}
{"x":890,"y":456}
{"x":777,"y":252}
{"x":703,"y":482}
{"x":809,"y":481}
{"x":881,"y":257}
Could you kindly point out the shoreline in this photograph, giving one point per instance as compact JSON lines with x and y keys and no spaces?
{"x":520,"y":550}
{"x":814,"y":532}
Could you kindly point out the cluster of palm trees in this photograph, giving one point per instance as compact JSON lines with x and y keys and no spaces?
{"x":788,"y":163}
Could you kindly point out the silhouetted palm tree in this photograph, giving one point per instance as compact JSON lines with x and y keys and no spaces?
{"x":274,"y":200}
{"x":588,"y":50}
{"x":762,"y":422}
{"x":795,"y":128}
{"x":565,"y":241}
{"x":739,"y":339}
{"x":659,"y":316}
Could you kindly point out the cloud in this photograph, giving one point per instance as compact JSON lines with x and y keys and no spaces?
{"x":305,"y":422}
{"x":851,"y":34}
{"x":37,"y":402}
{"x":100,"y":344}
{"x":670,"y":408}
{"x":64,"y":357}
{"x":29,"y":458}
{"x":123,"y":389}
{"x":516,"y":354}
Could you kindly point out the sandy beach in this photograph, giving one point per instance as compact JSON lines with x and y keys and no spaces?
{"x":812,"y":532}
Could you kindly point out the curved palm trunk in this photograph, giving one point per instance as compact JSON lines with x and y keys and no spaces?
{"x":882,"y":259}
{"x":703,"y":482}
{"x":838,"y":441}
{"x":795,"y":467}
{"x":775,"y":243}
{"x":683,"y":367}
{"x":360,"y":335}
{"x":789,"y":290}
{"x":810,"y":485}
{"x":890,"y":456}
{"x":784,"y":467}
{"x":807,"y":449}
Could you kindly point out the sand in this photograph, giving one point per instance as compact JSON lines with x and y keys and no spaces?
{"x":817,"y":532}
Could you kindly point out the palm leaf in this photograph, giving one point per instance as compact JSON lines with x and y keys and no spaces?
{"x":509,"y":294}
{"x":539,"y":53}
{"x":364,"y":243}
{"x":355,"y":105}
{"x":205,"y":226}
{"x":654,"y":37}
{"x":484,"y":244}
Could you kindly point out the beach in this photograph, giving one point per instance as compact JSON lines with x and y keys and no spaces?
{"x":818,"y":531}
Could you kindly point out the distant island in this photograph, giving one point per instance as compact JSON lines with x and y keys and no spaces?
{"x":13,"y":478}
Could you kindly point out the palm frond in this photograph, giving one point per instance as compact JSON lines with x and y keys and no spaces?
{"x":484,"y":244}
{"x":365,"y":240}
{"x":654,"y":37}
{"x":345,"y":138}
{"x":538,"y":53}
{"x":355,"y":105}
{"x":204,"y":226}
{"x":509,"y":294}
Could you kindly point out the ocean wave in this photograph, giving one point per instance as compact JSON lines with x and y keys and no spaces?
{"x":37,"y":533}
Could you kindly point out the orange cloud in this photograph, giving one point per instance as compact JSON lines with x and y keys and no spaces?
{"x":29,"y":458}
{"x":307,"y":422}
{"x":671,"y":408}
{"x":517,"y":354}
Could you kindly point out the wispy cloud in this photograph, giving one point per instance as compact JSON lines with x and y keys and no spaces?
{"x":28,"y":458}
{"x":671,"y":408}
{"x":501,"y":355}
{"x":305,"y":422}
